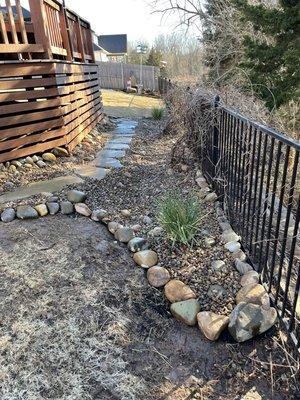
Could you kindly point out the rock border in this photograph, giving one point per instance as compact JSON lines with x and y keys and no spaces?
{"x":253,"y":313}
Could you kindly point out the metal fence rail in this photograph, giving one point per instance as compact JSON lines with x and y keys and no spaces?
{"x":255,"y":171}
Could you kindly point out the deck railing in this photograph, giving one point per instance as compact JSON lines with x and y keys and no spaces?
{"x":50,"y":32}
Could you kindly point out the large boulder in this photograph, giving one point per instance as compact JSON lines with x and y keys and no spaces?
{"x":253,"y":293}
{"x":211,"y":324}
{"x":145,"y":258}
{"x":248,"y":320}
{"x":186,"y":311}
{"x":176,"y":291}
{"x":8,"y":215}
{"x":158,"y":276}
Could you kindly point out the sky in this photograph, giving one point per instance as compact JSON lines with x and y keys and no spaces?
{"x":133,"y":17}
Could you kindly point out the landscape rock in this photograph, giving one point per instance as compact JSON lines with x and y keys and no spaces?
{"x":240,"y":255}
{"x":211,"y":324}
{"x":136,"y":228}
{"x":158,"y":276}
{"x":250,"y":278}
{"x":113,"y":227}
{"x":66,"y":207}
{"x":75,"y":196}
{"x":157,"y":231}
{"x":186,"y":311}
{"x":217,"y":265}
{"x":126,"y":213}
{"x":242,"y":267}
{"x":16,"y":163}
{"x":177,"y":291}
{"x":35,"y":159}
{"x":12,"y":168}
{"x":98,"y":215}
{"x":210,"y":197}
{"x":26,"y":212}
{"x":41,"y":209}
{"x":209,"y":241}
{"x":28,"y":166}
{"x":225,"y":226}
{"x":255,"y":294}
{"x":60,"y":152}
{"x":124,"y":235}
{"x":248,"y":320}
{"x":29,"y":160}
{"x":41,"y":164}
{"x":83,"y":209}
{"x":53,"y":208}
{"x":49,"y":157}
{"x":8,"y":185}
{"x":147,"y":220}
{"x":233,"y":246}
{"x":216,"y":291}
{"x":230,"y":236}
{"x":138,"y":244}
{"x":8,"y":215}
{"x":145,"y":258}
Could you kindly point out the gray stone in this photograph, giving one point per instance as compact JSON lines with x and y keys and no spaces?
{"x":83,"y":209}
{"x":26,"y":212}
{"x":249,"y":320}
{"x":138,"y":244}
{"x":186,"y":311}
{"x":239,"y":255}
{"x":158,"y":276}
{"x":229,"y":236}
{"x":66,"y":207}
{"x":242,"y":267}
{"x":147,"y":220}
{"x":75,"y":196}
{"x":113,"y":227}
{"x":157,"y":231}
{"x":53,"y":208}
{"x":8,"y":215}
{"x":249,"y":278}
{"x":8,"y":185}
{"x":145,"y":258}
{"x":233,"y":246}
{"x":216,"y":291}
{"x":98,"y":215}
{"x":211,"y":324}
{"x":29,"y":160}
{"x":124,"y":235}
{"x":41,"y":164}
{"x":217,"y":265}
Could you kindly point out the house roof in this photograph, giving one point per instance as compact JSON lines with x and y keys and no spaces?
{"x":26,"y":13}
{"x":113,"y":44}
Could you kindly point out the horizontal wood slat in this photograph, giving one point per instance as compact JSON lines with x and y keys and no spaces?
{"x":46,"y":105}
{"x":21,"y":48}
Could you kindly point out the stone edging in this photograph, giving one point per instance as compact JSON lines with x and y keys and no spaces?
{"x":252,"y":315}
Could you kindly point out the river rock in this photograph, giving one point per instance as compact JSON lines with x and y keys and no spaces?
{"x":176,"y":291}
{"x":26,"y":212}
{"x":98,"y":215}
{"x":242,"y":267}
{"x":240,"y":255}
{"x":28,"y":166}
{"x":35,"y":159}
{"x":29,"y":160}
{"x":75,"y":196}
{"x":66,"y":207}
{"x":113,"y":227}
{"x":255,"y":294}
{"x":12,"y":169}
{"x":229,"y":236}
{"x":16,"y":163}
{"x":158,"y":276}
{"x":138,"y":244}
{"x":83,"y":209}
{"x":157,"y":231}
{"x":41,"y":164}
{"x":136,"y":228}
{"x":124,"y":235}
{"x":186,"y":311}
{"x":49,"y":157}
{"x":145,"y":258}
{"x":126,"y":213}
{"x":211,"y":324}
{"x":41,"y":209}
{"x":210,"y":197}
{"x":233,"y":246}
{"x":248,"y":320}
{"x":8,"y":215}
{"x":60,"y":152}
{"x":250,"y":278}
{"x":53,"y":207}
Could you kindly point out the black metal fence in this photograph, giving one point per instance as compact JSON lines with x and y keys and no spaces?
{"x":255,"y":171}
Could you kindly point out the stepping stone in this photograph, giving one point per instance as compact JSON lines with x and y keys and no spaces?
{"x":112,"y":153}
{"x":108,"y":163}
{"x":52,"y":185}
{"x":92,"y":171}
{"x":116,"y":146}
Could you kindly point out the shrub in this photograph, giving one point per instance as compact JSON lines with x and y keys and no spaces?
{"x":157,"y":112}
{"x":180,"y":217}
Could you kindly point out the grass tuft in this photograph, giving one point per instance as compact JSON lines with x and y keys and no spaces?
{"x":157,"y":112}
{"x":180,"y":217}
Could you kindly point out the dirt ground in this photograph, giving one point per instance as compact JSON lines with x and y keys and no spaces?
{"x":79,"y":320}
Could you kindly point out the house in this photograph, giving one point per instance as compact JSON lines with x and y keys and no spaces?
{"x":26,"y":13}
{"x":100,"y":53}
{"x":114,"y":45}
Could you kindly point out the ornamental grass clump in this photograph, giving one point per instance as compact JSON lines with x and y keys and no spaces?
{"x":180,"y":217}
{"x":157,"y":112}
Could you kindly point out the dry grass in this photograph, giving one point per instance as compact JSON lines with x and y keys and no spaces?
{"x":120,"y":104}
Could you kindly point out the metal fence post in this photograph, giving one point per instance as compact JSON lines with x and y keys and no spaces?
{"x":215,"y":154}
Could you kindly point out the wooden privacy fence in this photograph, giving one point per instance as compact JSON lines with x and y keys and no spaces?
{"x":46,"y":104}
{"x":114,"y":75}
{"x":47,"y":31}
